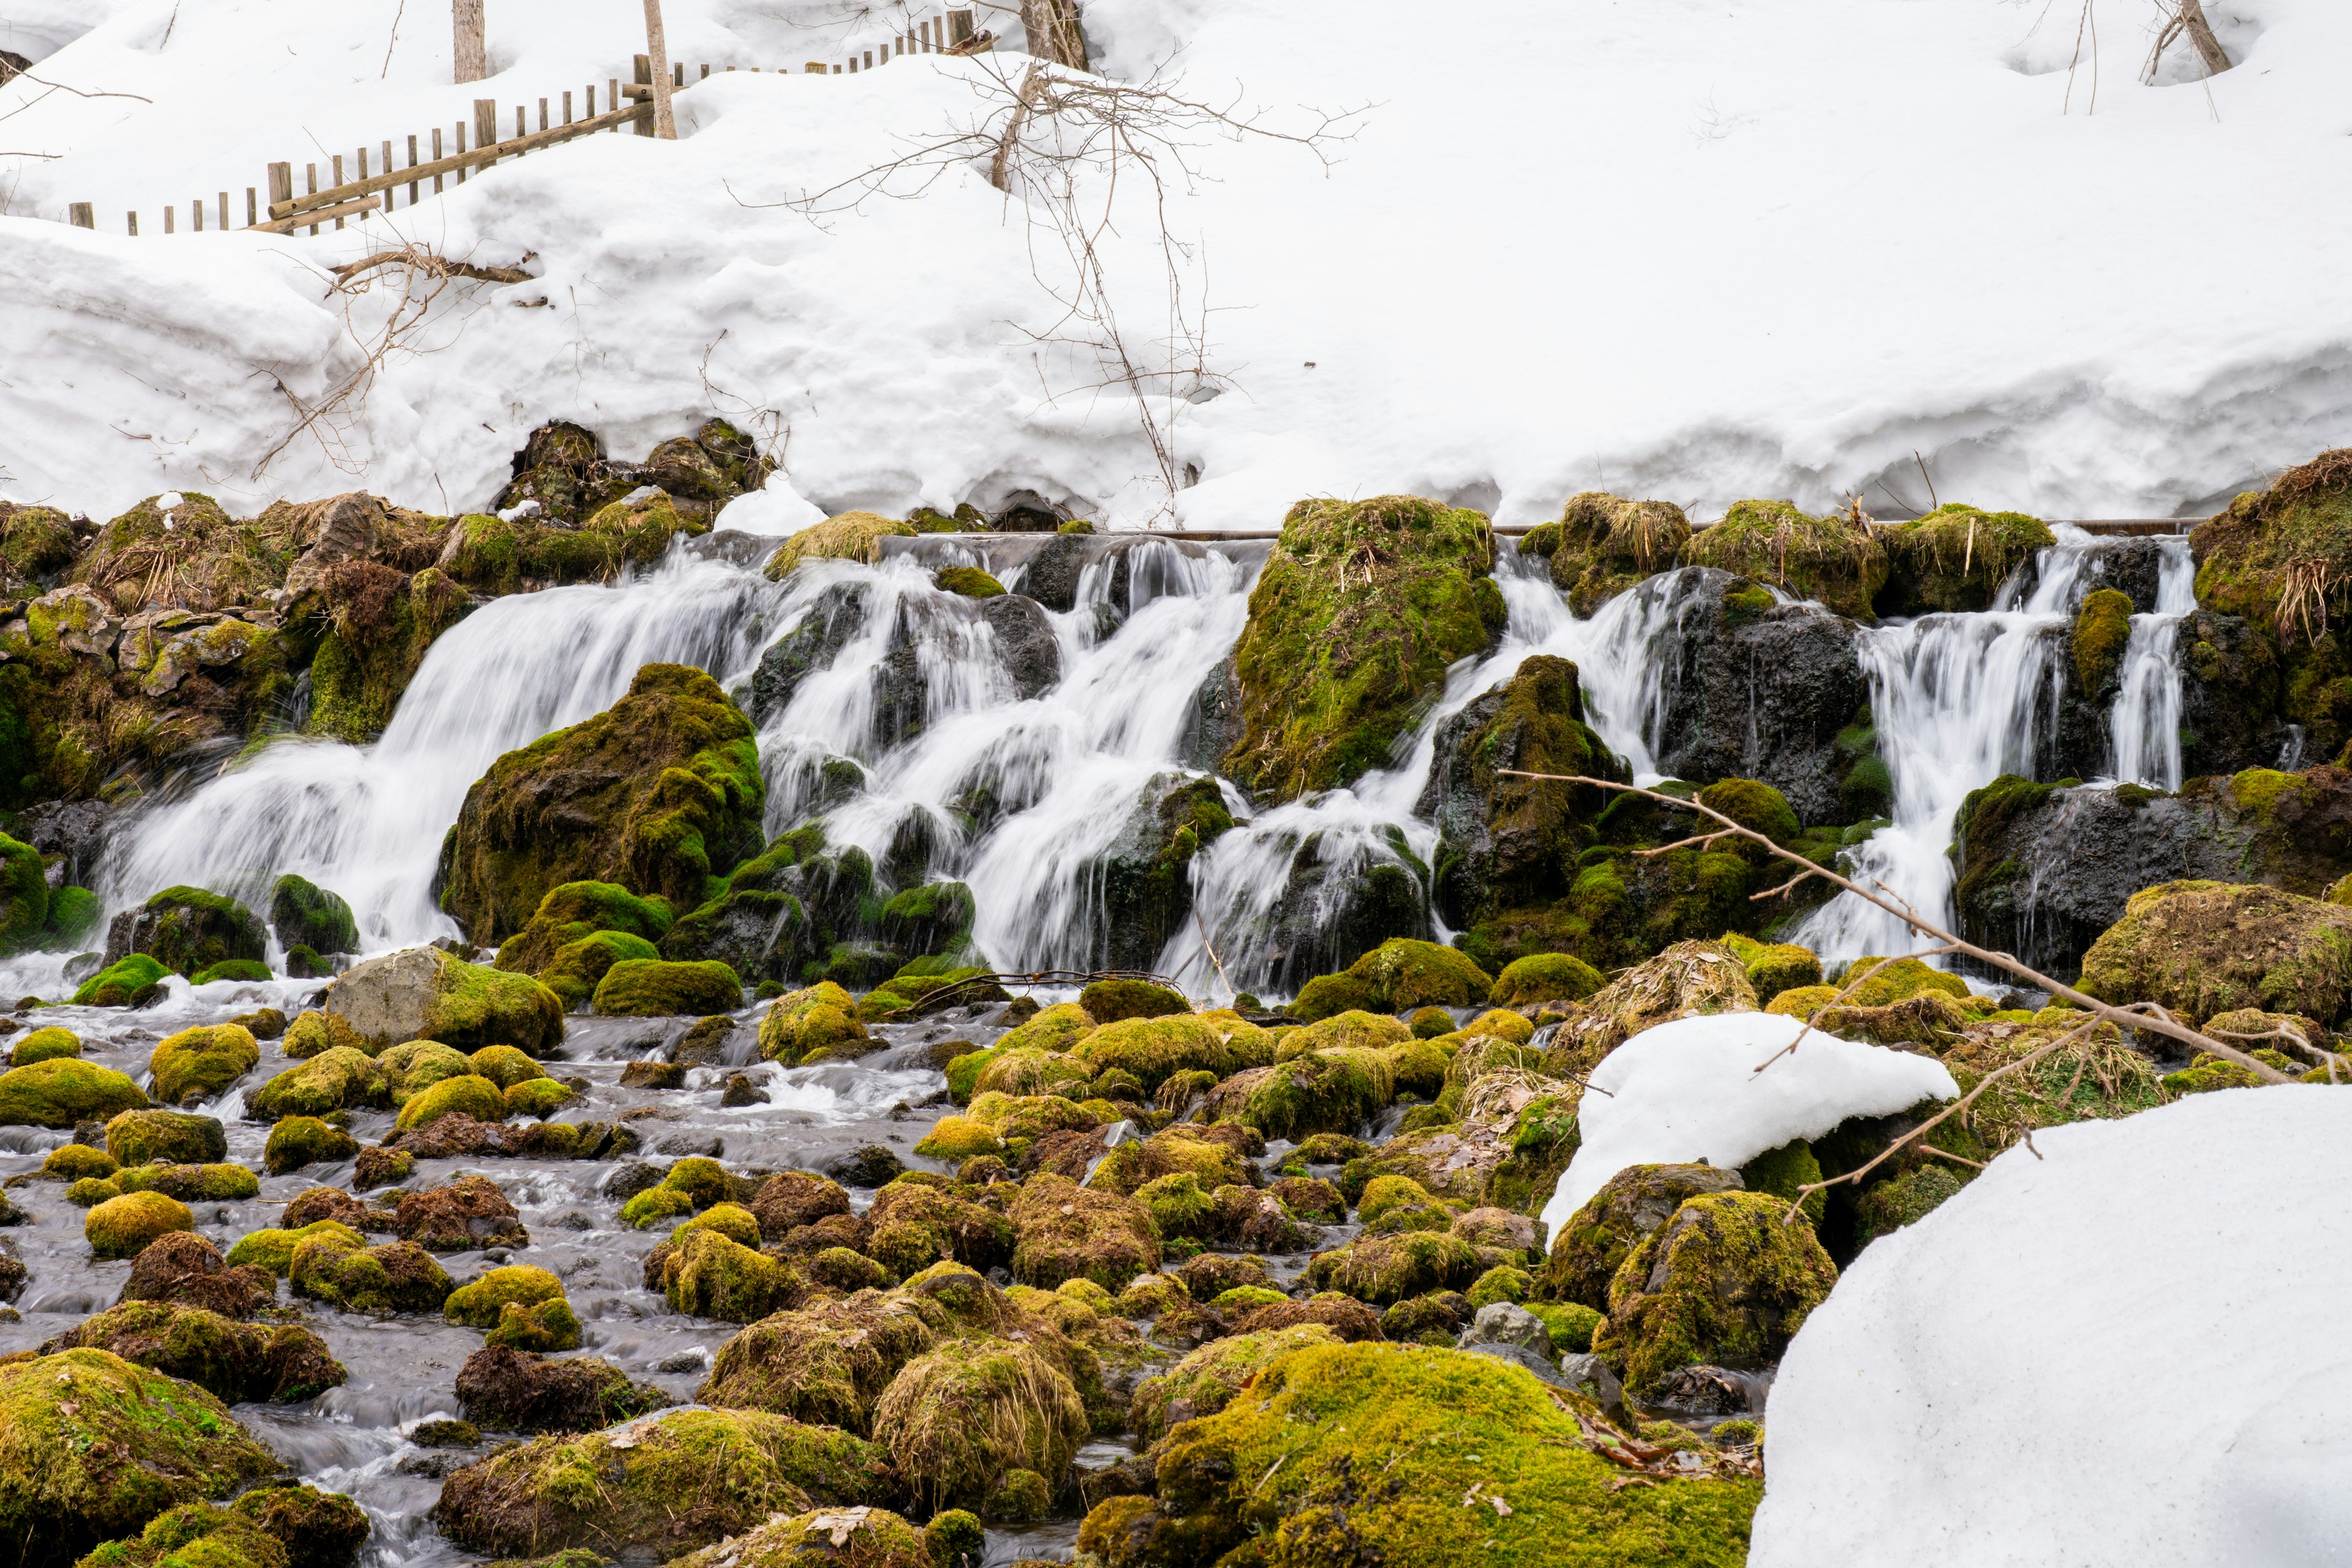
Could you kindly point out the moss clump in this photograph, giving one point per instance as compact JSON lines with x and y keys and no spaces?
{"x":336,"y":1079}
{"x":2279,"y":557}
{"x":1349,"y":1030}
{"x":2102,"y":632}
{"x":167,"y":1442}
{"x":578,"y":968}
{"x":819,"y":1023}
{"x":1545,"y":977}
{"x":1906,"y":1199}
{"x":298,"y":1140}
{"x":233,"y":1361}
{"x":1724,"y":1282}
{"x":495,"y":555}
{"x":313,"y":1033}
{"x":1397,"y":976}
{"x":859,"y":1538}
{"x":925,"y":986}
{"x":1323,"y":1091}
{"x":969,"y":581}
{"x":1834,"y":559}
{"x":957,"y":1419}
{"x":1603,"y":544}
{"x":122,"y":1227}
{"x":676,"y":770}
{"x":467,"y":1094}
{"x":375,"y":623}
{"x":1570,"y":1325}
{"x":851,"y":536}
{"x":1436,"y":1426}
{"x":396,"y":1277}
{"x":1385,"y":1269}
{"x":44,"y":1045}
{"x":193,"y":1535}
{"x":1784,"y":1172}
{"x":505,"y":1066}
{"x":2204,"y":948}
{"x":140,"y":1137}
{"x":709,"y":1276}
{"x":1631,"y":1207}
{"x":571,"y":910}
{"x":231,"y":969}
{"x":201,"y":1062}
{"x":273,"y":1250}
{"x":655,"y":1205}
{"x":1016,"y":1073}
{"x":62,"y":1092}
{"x":1686,"y":979}
{"x":1111,"y":1001}
{"x":77,"y":1162}
{"x":205,"y":1184}
{"x":1775,"y":967}
{"x":304,"y":914}
{"x":131,"y":981}
{"x":1154,"y":1050}
{"x":1181,"y":1149}
{"x":656,"y":988}
{"x":1354,"y":620}
{"x":89,"y":1192}
{"x":476,"y":1304}
{"x":188,"y":930}
{"x":538,"y":1097}
{"x":1956,"y":558}
{"x":1206,"y":1380}
{"x":1063,"y":1231}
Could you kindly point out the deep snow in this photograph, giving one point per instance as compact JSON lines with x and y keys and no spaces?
{"x":1689,"y":1091}
{"x":1696,"y":250}
{"x":2103,"y":1355}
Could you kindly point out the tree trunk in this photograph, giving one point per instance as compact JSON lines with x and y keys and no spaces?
{"x":2201,"y":33}
{"x":664,"y":121}
{"x":473,"y":55}
{"x":1054,"y":33}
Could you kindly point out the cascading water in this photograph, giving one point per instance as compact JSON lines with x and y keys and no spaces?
{"x":2145,"y":724}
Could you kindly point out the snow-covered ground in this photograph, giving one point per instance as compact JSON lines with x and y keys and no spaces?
{"x":2118,"y":1353}
{"x":1695,"y":250}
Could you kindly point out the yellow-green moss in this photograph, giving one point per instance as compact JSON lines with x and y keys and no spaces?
{"x":1834,"y":559}
{"x":122,"y":1227}
{"x":63,"y":1090}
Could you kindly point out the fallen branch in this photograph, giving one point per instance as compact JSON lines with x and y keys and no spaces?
{"x":2008,"y":962}
{"x":426,"y":262}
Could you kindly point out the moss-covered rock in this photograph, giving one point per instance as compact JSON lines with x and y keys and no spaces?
{"x":140,"y":1137}
{"x":819,"y":1023}
{"x":1724,"y":1282}
{"x":191,"y":1184}
{"x":915,"y":1226}
{"x":1324,"y":1091}
{"x":1775,"y":967}
{"x":191,"y":1534}
{"x":857,"y":1537}
{"x":273,"y":1250}
{"x":315,"y":1032}
{"x":1112,"y":1001}
{"x":122,"y":1227}
{"x":298,"y":1140}
{"x":1545,"y":977}
{"x":1835,"y":559}
{"x":2202,"y":948}
{"x":1354,"y":619}
{"x":63,"y":1090}
{"x":508,"y":1389}
{"x":49,"y":1043}
{"x":1155,"y":1049}
{"x":578,"y":968}
{"x":1063,"y":1231}
{"x":201,"y":1062}
{"x":338,"y":1078}
{"x":709,"y":1276}
{"x":656,"y":988}
{"x":131,"y":982}
{"x":957,"y":1419}
{"x":1955,"y":559}
{"x":188,"y":930}
{"x":970,"y":582}
{"x":424,"y":994}
{"x":233,"y":1361}
{"x":1889,"y":1206}
{"x":168,"y":1443}
{"x":1205,"y":1381}
{"x":1632,"y":1206}
{"x":672,"y":765}
{"x":478,"y":1302}
{"x":1437,"y":1426}
{"x":2102,"y":632}
{"x":926,"y":986}
{"x":848,"y":537}
{"x":304,"y":914}
{"x":394,"y":1276}
{"x":656,"y":1487}
{"x":1688,"y":978}
{"x":1184,"y":1148}
{"x":77,"y":1162}
{"x":1385,"y":1269}
{"x":1603,"y":544}
{"x":469,"y":1212}
{"x":506,"y":555}
{"x":571,"y":910}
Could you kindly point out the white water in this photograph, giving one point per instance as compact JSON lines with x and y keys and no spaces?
{"x":2144,"y":727}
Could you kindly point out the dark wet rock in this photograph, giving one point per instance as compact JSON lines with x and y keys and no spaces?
{"x":1050,"y":575}
{"x":76,"y":829}
{"x":456,"y":1135}
{"x":518,"y":1390}
{"x":1142,"y":884}
{"x":1212,"y":721}
{"x":832,"y":621}
{"x":653,"y":1075}
{"x":1025,"y":644}
{"x":740,"y":1091}
{"x":469,"y":1212}
{"x":1701,"y":1391}
{"x":705,"y":1044}
{"x":868,"y":1165}
{"x":2231,"y":690}
{"x":1332,"y":911}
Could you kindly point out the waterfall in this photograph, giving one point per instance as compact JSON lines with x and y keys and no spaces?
{"x":2144,"y":727}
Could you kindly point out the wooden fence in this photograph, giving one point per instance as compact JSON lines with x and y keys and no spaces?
{"x":372,"y":181}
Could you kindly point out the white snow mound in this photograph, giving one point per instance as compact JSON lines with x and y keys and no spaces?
{"x":1689,"y":1090}
{"x":2102,"y":1355}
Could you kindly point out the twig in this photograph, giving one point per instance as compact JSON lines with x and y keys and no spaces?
{"x":425,"y":261}
{"x":1839,"y":1000}
{"x":1933,"y":504}
{"x":2009,"y":962}
{"x":397,"y":13}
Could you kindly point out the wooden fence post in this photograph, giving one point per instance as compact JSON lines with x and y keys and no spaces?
{"x":81,"y":216}
{"x":134,"y":226}
{"x":472,"y":53}
{"x":412,"y":164}
{"x":170,"y":212}
{"x":436,"y":158}
{"x":486,"y":125}
{"x":309,"y":179}
{"x":338,"y":180}
{"x":461,"y":150}
{"x":281,"y":183}
{"x":252,"y":206}
{"x":223,"y":212}
{"x":196,"y":215}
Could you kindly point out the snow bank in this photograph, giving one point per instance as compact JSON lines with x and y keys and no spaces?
{"x":1696,"y":251}
{"x":1689,"y":1090}
{"x":2119,"y":1352}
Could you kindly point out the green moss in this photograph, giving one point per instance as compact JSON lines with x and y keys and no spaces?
{"x":1899,"y":981}
{"x":1385,"y":1269}
{"x":1354,"y":620}
{"x":188,"y":931}
{"x":62,"y":1092}
{"x":1501,"y":1283}
{"x":90,"y":1191}
{"x":1755,"y":805}
{"x":820,"y":1023}
{"x":2203,"y":948}
{"x":1954,"y":558}
{"x":306,"y":915}
{"x":1016,"y":1072}
{"x":167,"y":1442}
{"x":1834,"y":559}
{"x":77,"y":1162}
{"x":1775,"y":967}
{"x":957,"y":1419}
{"x":298,"y":1140}
{"x":209,"y":1184}
{"x":138,"y":1137}
{"x":1906,"y":1199}
{"x":1724,"y":1282}
{"x":1632,"y":1206}
{"x":1155,"y":1049}
{"x":1570,"y":1324}
{"x":733,"y":1221}
{"x":923,"y":986}
{"x":132,"y":981}
{"x":396,"y":1277}
{"x":477,"y":1304}
{"x":2102,"y":632}
{"x":47,"y":1044}
{"x":969,"y":581}
{"x":1326,"y":995}
{"x":577,"y":967}
{"x":1545,"y":977}
{"x":655,"y":1205}
{"x":1325,"y":1091}
{"x":1399,"y":976}
{"x":538,"y":1097}
{"x":273,"y":1250}
{"x":1063,"y":1231}
{"x":709,"y":1276}
{"x":650,"y":988}
{"x":505,"y":1066}
{"x":1606,"y":544}
{"x":231,"y":969}
{"x":193,"y":1535}
{"x":201,"y":1061}
{"x":850,"y":536}
{"x":861,"y":1538}
{"x":1205,"y":1381}
{"x":571,"y":910}
{"x":122,"y":1227}
{"x":335,"y":1079}
{"x":1354,"y":1029}
{"x":1781,"y":1172}
{"x":1112,"y":1001}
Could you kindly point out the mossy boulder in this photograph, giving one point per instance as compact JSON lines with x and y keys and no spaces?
{"x":1184,"y":1149}
{"x":491,"y":554}
{"x":505,"y":1066}
{"x":1724,"y":1282}
{"x":45,"y":1044}
{"x":467,"y":1094}
{"x":1354,"y":620}
{"x":375,"y":623}
{"x":338,"y":1078}
{"x":1603,"y":544}
{"x":131,"y":981}
{"x":1111,"y":1001}
{"x":1386,"y":1270}
{"x":477,"y":1303}
{"x":168,"y":1443}
{"x":188,"y":930}
{"x":656,"y":1487}
{"x":1835,"y":559}
{"x":122,"y":1227}
{"x":661,"y":793}
{"x":140,"y":1137}
{"x":866,"y":1537}
{"x":1775,"y":967}
{"x":304,"y":914}
{"x":217,"y":1182}
{"x":1353,"y":1029}
{"x":850,"y":536}
{"x":233,"y":1361}
{"x":1206,"y":1380}
{"x":819,"y":1023}
{"x":393,"y":1277}
{"x":1323,"y":1091}
{"x":1153,"y":1049}
{"x":273,"y":1250}
{"x":1437,"y":1426}
{"x":571,"y":910}
{"x":958,"y":1418}
{"x":199,"y":1063}
{"x":2201,"y":948}
{"x":298,"y":1140}
{"x":709,"y":1276}
{"x":23,"y":897}
{"x":578,"y":968}
{"x":1397,"y":976}
{"x":315,"y":1031}
{"x":1545,"y":977}
{"x":1063,"y":1231}
{"x":656,"y":988}
{"x":1955,"y":559}
{"x":1632,"y":1206}
{"x":2102,"y":632}
{"x":63,"y":1090}
{"x":2275,"y":555}
{"x":77,"y":1162}
{"x":1906,"y":1199}
{"x":970,"y":582}
{"x":1690,"y":978}
{"x":424,"y":994}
